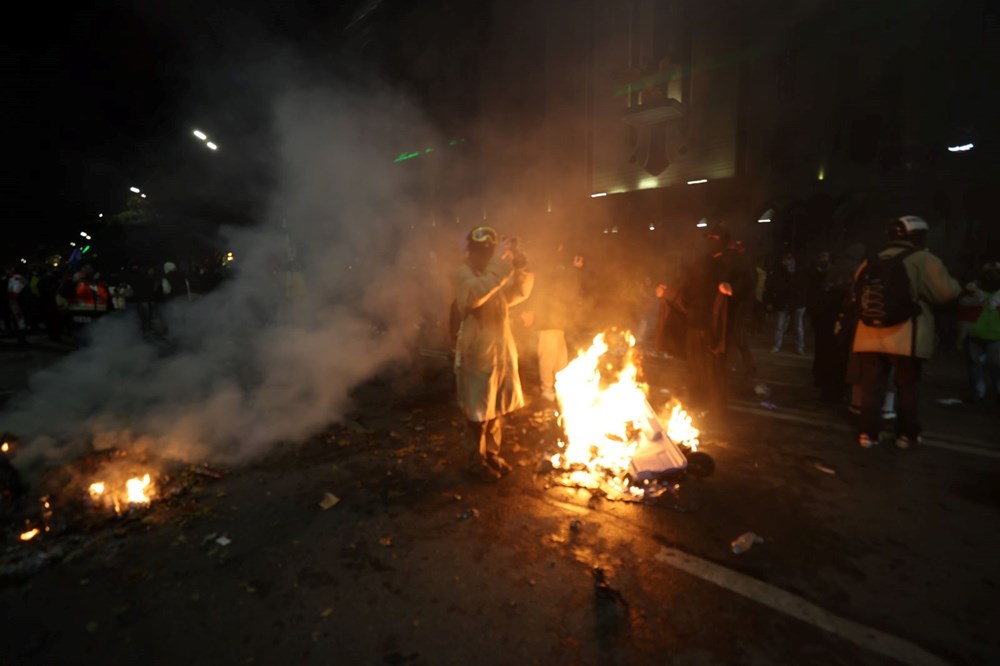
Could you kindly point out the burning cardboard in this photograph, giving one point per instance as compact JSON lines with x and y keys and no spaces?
{"x":615,"y":442}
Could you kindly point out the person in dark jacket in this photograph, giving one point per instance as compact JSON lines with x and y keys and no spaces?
{"x":703,"y":297}
{"x":786,"y":295}
{"x":822,"y":308}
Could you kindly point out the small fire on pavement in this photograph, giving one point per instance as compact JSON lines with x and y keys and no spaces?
{"x":614,"y":442}
{"x":122,"y":493}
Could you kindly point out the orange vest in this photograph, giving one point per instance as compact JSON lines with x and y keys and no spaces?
{"x":90,"y":297}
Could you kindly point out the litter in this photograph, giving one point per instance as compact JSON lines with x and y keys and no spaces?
{"x":947,"y":402}
{"x":385,"y":541}
{"x":329,"y":500}
{"x":223,"y":541}
{"x":575,"y":526}
{"x":763,"y":390}
{"x":826,"y":470}
{"x":769,"y":405}
{"x":745,"y":542}
{"x":468,"y":513}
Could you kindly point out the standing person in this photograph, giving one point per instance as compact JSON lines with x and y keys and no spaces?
{"x":743,"y":278}
{"x":786,"y":294}
{"x":979,"y":308}
{"x":704,"y":299}
{"x":175,"y":285}
{"x":17,"y":295}
{"x":894,"y":293}
{"x":822,"y":313}
{"x":832,"y":367}
{"x":486,"y":372}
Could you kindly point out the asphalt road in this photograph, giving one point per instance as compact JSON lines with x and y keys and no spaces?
{"x":890,"y":559}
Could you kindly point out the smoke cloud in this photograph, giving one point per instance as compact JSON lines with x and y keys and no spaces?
{"x":249,"y":365}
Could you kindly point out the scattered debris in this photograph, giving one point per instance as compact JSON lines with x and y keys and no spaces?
{"x":763,"y":390}
{"x":745,"y":542}
{"x":327,"y":612}
{"x":223,"y":541}
{"x":575,"y":526}
{"x":826,"y":470}
{"x":469,"y":513}
{"x":769,"y":405}
{"x":948,"y":402}
{"x":385,"y":541}
{"x":329,"y":500}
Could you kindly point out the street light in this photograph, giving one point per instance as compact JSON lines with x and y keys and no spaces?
{"x":135,"y":189}
{"x":200,"y":135}
{"x":212,"y":145}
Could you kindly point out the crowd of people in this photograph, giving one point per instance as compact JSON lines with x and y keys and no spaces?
{"x":872,"y":316}
{"x":61,"y":300}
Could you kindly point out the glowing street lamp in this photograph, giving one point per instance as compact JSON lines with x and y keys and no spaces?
{"x":200,"y":135}
{"x":135,"y":190}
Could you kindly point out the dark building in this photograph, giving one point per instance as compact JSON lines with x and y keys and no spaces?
{"x":803,"y":125}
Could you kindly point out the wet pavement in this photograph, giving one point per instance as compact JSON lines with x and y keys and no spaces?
{"x":888,"y":559}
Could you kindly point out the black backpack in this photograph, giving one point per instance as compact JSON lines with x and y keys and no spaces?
{"x":882,"y":292}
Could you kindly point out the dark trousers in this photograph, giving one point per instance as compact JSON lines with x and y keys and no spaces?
{"x":874,"y":377}
{"x":706,"y":372}
{"x":824,"y":367}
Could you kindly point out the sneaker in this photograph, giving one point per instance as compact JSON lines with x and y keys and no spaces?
{"x":775,"y":350}
{"x":867,"y":442}
{"x":904,"y":442}
{"x":888,"y":415}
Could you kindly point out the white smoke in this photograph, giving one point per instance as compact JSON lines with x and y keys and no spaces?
{"x":249,"y":366}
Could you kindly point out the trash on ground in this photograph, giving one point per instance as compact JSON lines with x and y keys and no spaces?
{"x":385,"y":541}
{"x":826,"y":470}
{"x":223,"y":541}
{"x":745,"y":542}
{"x":469,"y":513}
{"x":769,"y":405}
{"x":576,"y":526}
{"x":947,"y":402}
{"x":329,"y":500}
{"x":763,"y":390}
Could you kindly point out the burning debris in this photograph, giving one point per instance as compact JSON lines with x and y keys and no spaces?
{"x":614,"y":442}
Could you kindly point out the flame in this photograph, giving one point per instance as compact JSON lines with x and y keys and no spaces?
{"x":97,"y":489}
{"x":607,"y":420}
{"x":136,"y":489}
{"x":5,"y":447}
{"x":30,"y":534}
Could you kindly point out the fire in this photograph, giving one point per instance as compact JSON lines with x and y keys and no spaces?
{"x":114,"y":494}
{"x":612,"y":433}
{"x":30,"y":534}
{"x":136,"y":489}
{"x":5,"y":447}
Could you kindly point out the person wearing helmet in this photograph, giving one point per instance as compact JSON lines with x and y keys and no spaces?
{"x":486,"y":370}
{"x":979,"y":311}
{"x":893,"y":295}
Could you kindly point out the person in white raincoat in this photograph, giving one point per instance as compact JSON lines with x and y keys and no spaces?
{"x":489,"y":386}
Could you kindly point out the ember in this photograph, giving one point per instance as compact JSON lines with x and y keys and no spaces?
{"x":614,"y":441}
{"x":30,"y":534}
{"x":120,"y":496}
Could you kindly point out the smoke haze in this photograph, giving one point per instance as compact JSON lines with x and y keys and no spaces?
{"x":248,"y":365}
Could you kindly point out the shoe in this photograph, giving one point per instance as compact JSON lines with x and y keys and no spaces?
{"x":775,"y":350}
{"x":484,"y":473}
{"x":867,"y":442}
{"x":904,"y":442}
{"x":888,"y":415}
{"x":498,"y":464}
{"x":854,"y":410}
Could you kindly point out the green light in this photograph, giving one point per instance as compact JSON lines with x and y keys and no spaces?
{"x":84,"y":250}
{"x":406,"y":156}
{"x":428,"y":150}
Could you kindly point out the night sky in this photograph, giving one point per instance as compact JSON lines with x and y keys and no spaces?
{"x":100,"y":99}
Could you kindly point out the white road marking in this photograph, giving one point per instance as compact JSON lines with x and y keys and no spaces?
{"x":933,"y":440}
{"x":870,"y":639}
